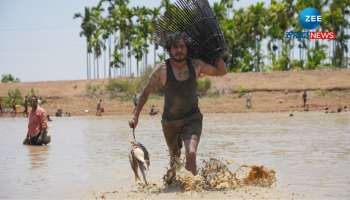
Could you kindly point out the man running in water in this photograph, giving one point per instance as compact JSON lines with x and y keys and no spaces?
{"x":181,"y":119}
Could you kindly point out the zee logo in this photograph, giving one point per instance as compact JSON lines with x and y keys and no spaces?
{"x":313,"y":18}
{"x":310,"y":18}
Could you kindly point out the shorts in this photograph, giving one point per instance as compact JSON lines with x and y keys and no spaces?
{"x":41,"y":139}
{"x":176,"y":131}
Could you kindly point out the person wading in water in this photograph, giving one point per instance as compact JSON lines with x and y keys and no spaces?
{"x":181,"y":119}
{"x":37,"y":126}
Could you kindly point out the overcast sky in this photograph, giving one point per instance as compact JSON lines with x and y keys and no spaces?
{"x":39,"y":40}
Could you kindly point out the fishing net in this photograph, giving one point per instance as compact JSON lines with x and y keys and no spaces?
{"x":197,"y":20}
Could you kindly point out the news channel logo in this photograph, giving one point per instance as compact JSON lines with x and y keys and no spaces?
{"x":310,"y":18}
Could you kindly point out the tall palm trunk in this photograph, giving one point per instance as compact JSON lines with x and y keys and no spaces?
{"x":114,"y":50}
{"x":87,"y":63}
{"x":154,"y":55}
{"x":104,"y":60}
{"x":130,"y":60}
{"x":143,"y":66}
{"x":125,"y":60}
{"x":137,"y":67}
{"x":109,"y":57}
{"x":146,"y":59}
{"x":90,"y":66}
{"x":98,"y":71}
{"x":94,"y":66}
{"x":331,"y":52}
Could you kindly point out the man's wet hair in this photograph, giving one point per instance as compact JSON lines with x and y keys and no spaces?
{"x":173,"y":38}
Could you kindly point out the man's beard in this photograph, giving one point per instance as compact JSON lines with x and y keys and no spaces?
{"x":178,"y":60}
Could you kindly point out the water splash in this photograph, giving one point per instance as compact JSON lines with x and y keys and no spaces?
{"x":216,"y":175}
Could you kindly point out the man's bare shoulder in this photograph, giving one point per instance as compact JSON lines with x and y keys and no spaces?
{"x":161,"y":66}
{"x":160,"y":69}
{"x":197,"y":63}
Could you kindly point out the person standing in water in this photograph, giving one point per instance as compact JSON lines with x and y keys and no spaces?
{"x":37,"y":125}
{"x":1,"y":110}
{"x":248,"y":100}
{"x":304,"y":100}
{"x":99,"y":108}
{"x":181,"y":119}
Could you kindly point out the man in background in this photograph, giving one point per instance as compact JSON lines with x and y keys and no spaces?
{"x":99,"y":108}
{"x":1,"y":110}
{"x":248,"y":99}
{"x":37,"y":126}
{"x":305,"y":100}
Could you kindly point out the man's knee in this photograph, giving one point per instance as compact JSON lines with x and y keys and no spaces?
{"x":191,"y":154}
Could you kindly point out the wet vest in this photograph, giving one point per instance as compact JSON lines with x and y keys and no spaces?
{"x":181,"y":99}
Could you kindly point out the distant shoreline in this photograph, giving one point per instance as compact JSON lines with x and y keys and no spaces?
{"x":270,"y":92}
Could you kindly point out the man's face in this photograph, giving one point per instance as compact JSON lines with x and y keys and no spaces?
{"x":178,"y":52}
{"x":34,"y":102}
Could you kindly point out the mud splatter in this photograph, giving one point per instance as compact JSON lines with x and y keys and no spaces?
{"x":217,"y":175}
{"x":213,"y":175}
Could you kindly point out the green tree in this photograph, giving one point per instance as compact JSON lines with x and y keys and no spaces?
{"x":8,"y":78}
{"x":304,"y":45}
{"x":315,"y":56}
{"x":336,"y":19}
{"x":257,"y":19}
{"x":14,"y":97}
{"x":88,"y":28}
{"x":280,"y":18}
{"x":246,"y":30}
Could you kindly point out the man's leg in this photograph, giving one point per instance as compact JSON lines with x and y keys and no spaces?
{"x":171,"y":133}
{"x":191,"y":135}
{"x":191,"y":153}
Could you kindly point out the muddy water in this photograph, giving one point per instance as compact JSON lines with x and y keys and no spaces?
{"x":310,"y":153}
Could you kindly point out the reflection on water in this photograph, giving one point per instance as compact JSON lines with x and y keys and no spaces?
{"x":38,"y":156}
{"x":310,"y":153}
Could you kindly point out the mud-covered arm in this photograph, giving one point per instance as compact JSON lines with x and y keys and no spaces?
{"x":208,"y":69}
{"x":152,"y":85}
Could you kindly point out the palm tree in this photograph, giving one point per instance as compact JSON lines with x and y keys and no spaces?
{"x":236,"y":29}
{"x":164,"y":4}
{"x":299,"y":6}
{"x":154,"y":17}
{"x":257,"y":19}
{"x":88,"y":28}
{"x":106,"y":27}
{"x":137,"y":49}
{"x":245,"y":31}
{"x":337,"y":21}
{"x":145,"y":30}
{"x":280,"y":18}
{"x":123,"y":16}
